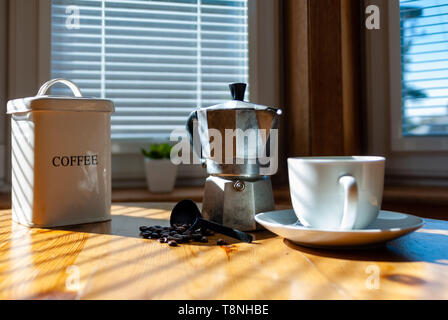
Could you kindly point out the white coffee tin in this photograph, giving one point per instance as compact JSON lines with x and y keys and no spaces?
{"x":61,"y":162}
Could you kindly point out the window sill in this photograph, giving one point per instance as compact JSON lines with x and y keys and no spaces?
{"x":429,"y":196}
{"x":143,"y":195}
{"x":423,"y":201}
{"x":428,"y":202}
{"x":416,"y":194}
{"x":281,"y":195}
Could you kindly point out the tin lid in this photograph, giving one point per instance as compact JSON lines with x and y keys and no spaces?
{"x":238,"y":91}
{"x":43,"y":102}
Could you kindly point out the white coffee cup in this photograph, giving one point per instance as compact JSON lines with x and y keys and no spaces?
{"x":336,"y":193}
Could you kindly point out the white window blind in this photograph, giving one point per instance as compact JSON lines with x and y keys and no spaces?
{"x":424,"y":65}
{"x":157,"y":60}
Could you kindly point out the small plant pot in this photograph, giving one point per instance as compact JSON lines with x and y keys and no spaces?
{"x":160,"y":175}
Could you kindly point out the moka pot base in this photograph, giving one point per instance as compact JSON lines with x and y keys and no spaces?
{"x":234,"y":202}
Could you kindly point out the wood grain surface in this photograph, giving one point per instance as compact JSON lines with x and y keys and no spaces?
{"x":110,"y":261}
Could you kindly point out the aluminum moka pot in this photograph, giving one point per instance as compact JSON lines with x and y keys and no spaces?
{"x":216,"y":125}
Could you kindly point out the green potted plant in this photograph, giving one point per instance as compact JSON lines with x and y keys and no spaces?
{"x":160,"y":171}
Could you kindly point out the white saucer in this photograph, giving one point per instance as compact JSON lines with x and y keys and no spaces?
{"x":388,"y":226}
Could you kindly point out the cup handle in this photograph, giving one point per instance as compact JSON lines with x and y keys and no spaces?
{"x":350,"y":186}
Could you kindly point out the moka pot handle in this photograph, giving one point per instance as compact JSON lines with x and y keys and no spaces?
{"x":191,"y":124}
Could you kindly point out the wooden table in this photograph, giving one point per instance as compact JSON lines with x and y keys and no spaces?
{"x":110,"y":261}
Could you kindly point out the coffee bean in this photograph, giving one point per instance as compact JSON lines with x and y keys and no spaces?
{"x":196,"y":236}
{"x":172,"y":243}
{"x":178,"y":238}
{"x":147,"y":234}
{"x":175,"y":234}
{"x":180,"y":229}
{"x":207,"y":232}
{"x":186,"y":238}
{"x":221,"y":242}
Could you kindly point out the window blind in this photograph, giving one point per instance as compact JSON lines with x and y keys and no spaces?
{"x":424,"y":65}
{"x":157,"y":60}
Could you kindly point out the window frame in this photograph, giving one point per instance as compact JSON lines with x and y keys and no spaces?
{"x":264,"y":75}
{"x":399,"y":142}
{"x":410,"y":160}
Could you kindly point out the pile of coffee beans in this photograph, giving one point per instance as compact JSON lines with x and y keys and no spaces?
{"x":177,"y":234}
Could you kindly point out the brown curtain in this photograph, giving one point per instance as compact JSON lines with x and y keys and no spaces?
{"x":322,"y":77}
